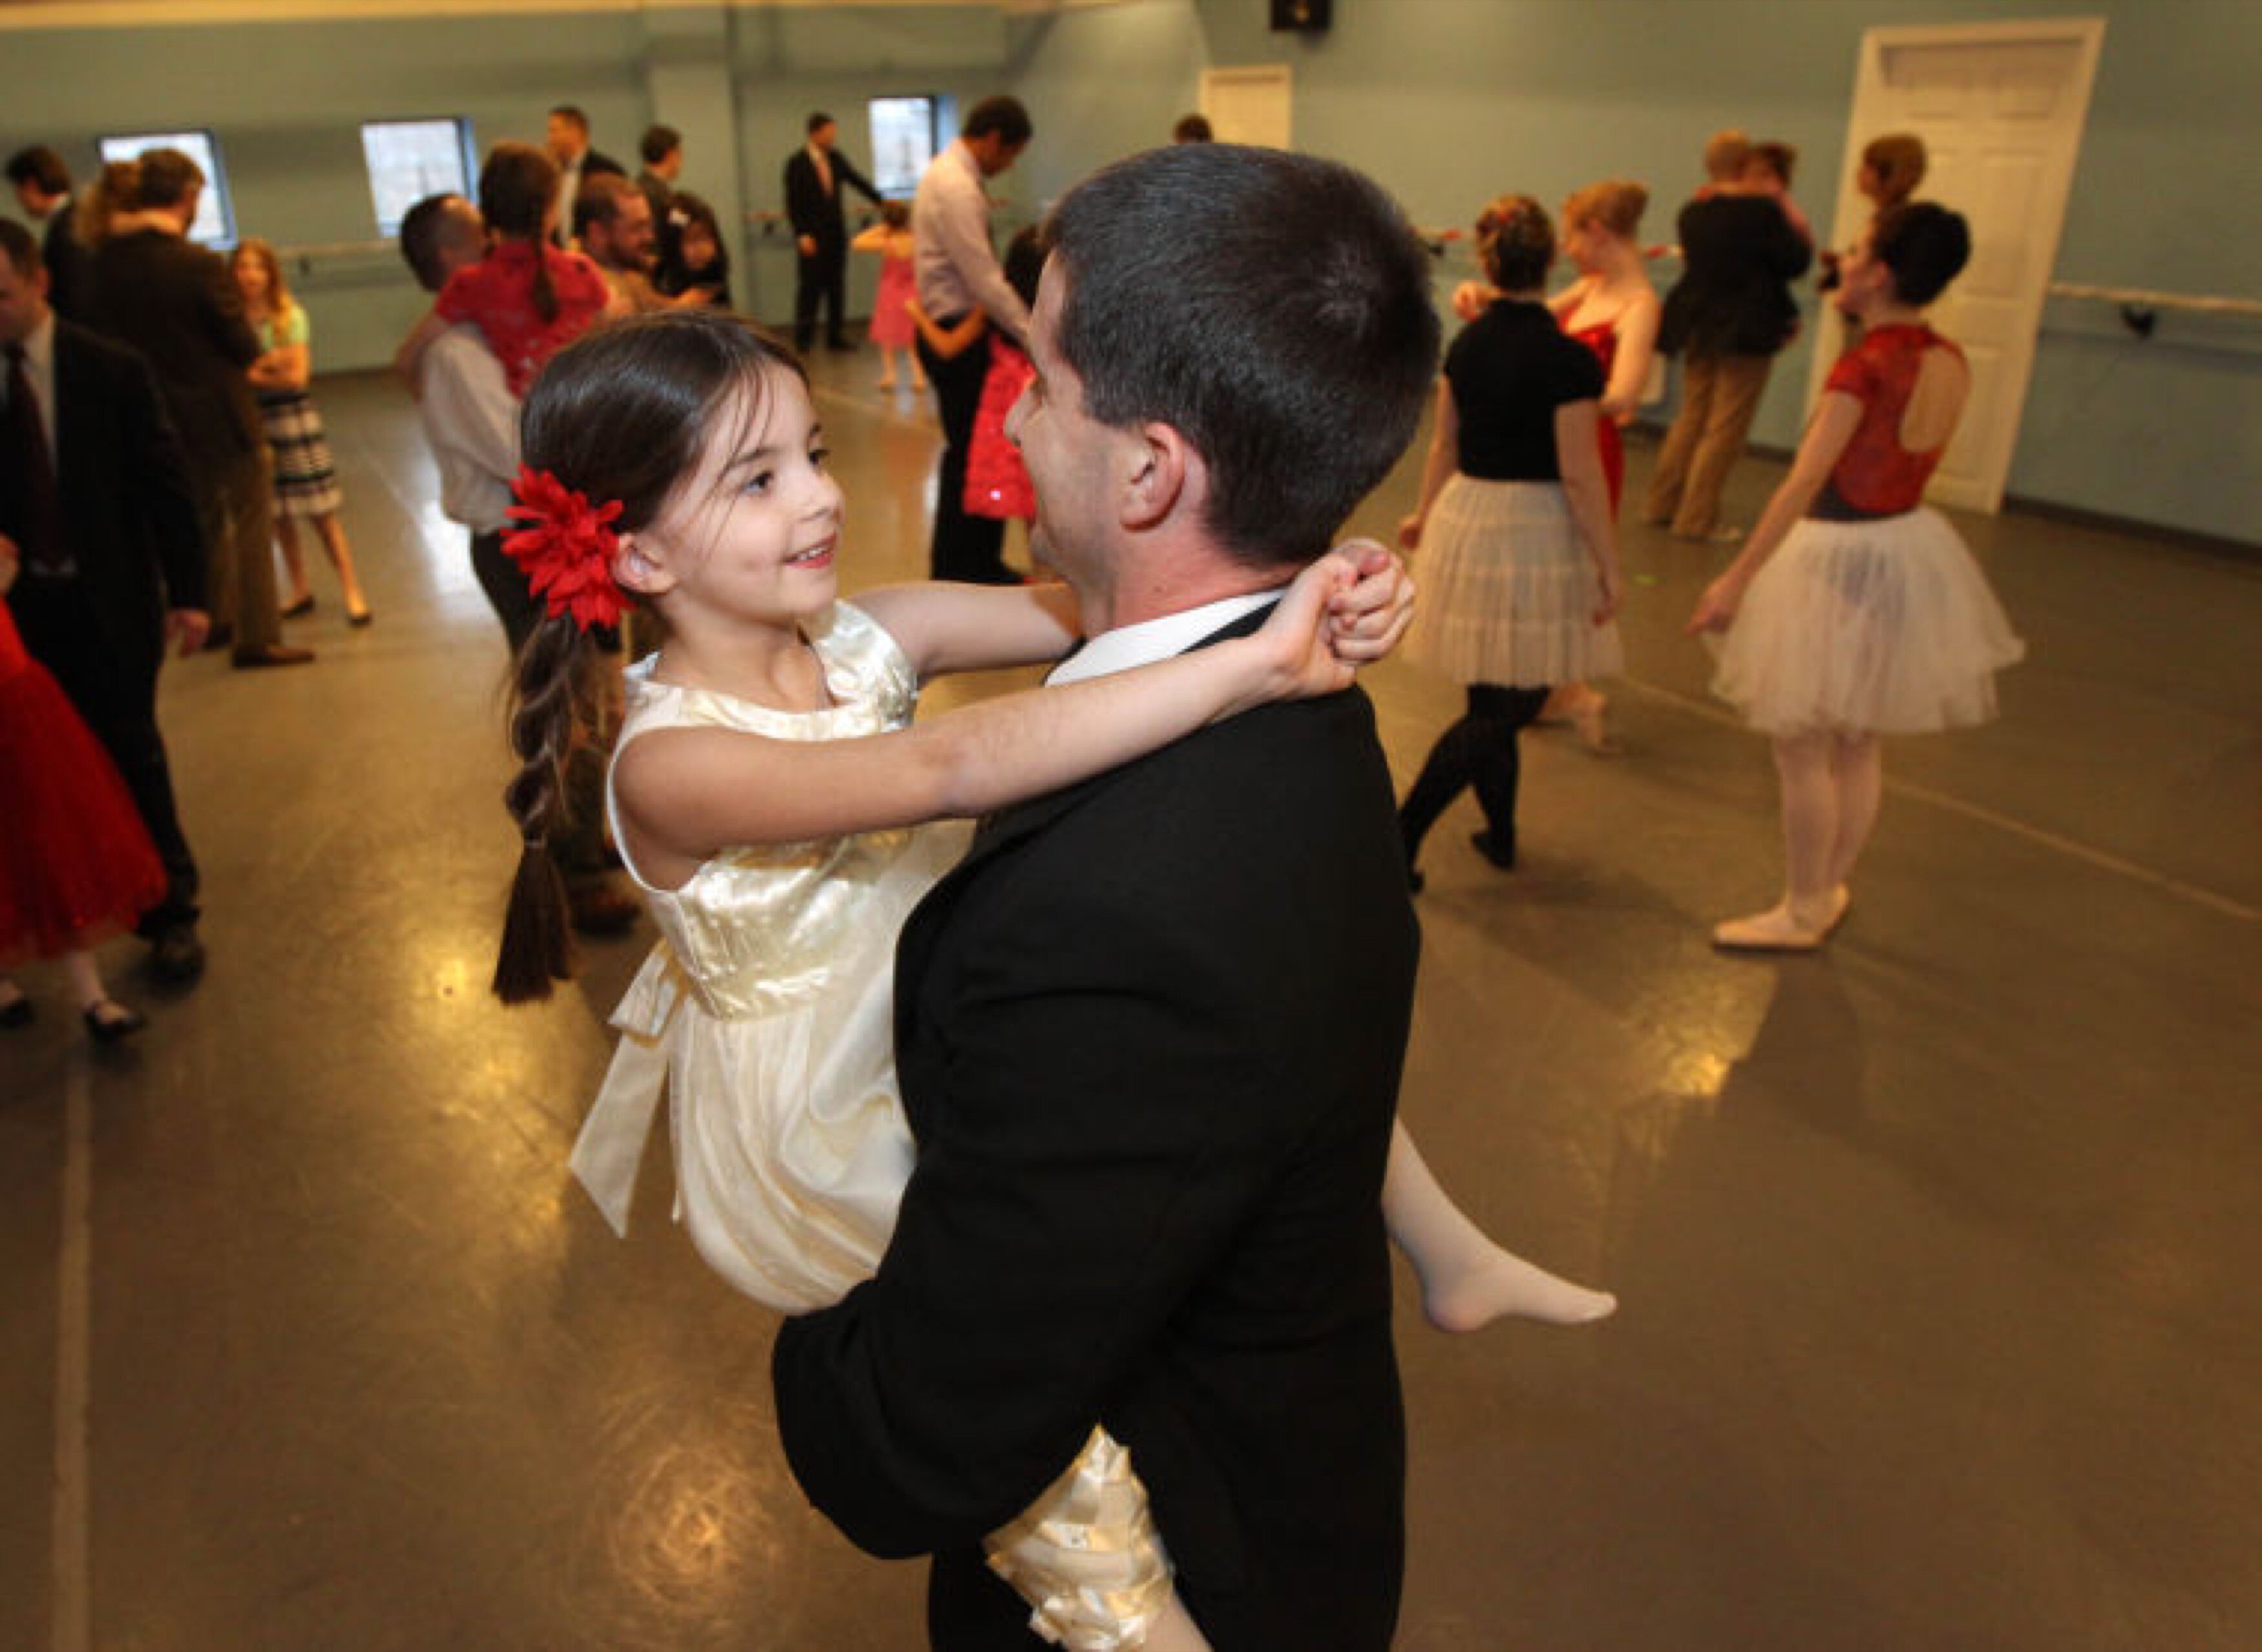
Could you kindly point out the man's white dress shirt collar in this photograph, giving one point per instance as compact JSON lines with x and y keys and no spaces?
{"x":1153,"y":640}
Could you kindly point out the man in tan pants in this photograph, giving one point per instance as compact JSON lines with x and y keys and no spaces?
{"x":1728,"y":314}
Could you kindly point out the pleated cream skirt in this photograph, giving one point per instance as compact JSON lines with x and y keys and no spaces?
{"x":1508,"y":593}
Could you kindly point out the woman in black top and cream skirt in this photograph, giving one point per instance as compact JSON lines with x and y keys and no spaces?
{"x":1518,"y":556}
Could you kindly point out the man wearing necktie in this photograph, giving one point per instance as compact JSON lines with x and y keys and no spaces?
{"x":95,"y":498}
{"x":814,"y":174}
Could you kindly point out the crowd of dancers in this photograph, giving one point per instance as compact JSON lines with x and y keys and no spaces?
{"x":770,"y":799}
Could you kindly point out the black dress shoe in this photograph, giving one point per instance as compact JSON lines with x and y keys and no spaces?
{"x":120,"y":1022}
{"x":176,"y":955}
{"x":300,"y":608}
{"x":1501,"y":854}
{"x":218,"y":638}
{"x":843,"y":344}
{"x":16,"y":1012}
{"x":273,"y":654}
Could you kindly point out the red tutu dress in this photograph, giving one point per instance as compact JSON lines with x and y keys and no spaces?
{"x":76,"y":862}
{"x":997,"y":482}
{"x":1603,"y":339}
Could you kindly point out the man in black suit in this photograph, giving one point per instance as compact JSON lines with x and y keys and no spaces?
{"x":1149,"y":1033}
{"x":176,"y":303}
{"x":566,"y":137}
{"x":43,"y":189}
{"x":814,"y":174}
{"x":97,"y":505}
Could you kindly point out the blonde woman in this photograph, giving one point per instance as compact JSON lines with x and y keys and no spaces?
{"x":305,"y":480}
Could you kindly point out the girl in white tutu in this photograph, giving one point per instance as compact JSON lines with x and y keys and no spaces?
{"x":1854,"y":611}
{"x":766,"y":791}
{"x":1519,"y":553}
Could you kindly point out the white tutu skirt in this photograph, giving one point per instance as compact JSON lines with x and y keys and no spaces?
{"x":1884,"y":627}
{"x":1508,"y":592}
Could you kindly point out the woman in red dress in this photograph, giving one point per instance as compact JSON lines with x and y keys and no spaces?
{"x":1854,"y":611}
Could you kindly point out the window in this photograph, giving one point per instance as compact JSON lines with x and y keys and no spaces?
{"x":409,"y":160}
{"x":215,"y":220}
{"x":904,"y":138}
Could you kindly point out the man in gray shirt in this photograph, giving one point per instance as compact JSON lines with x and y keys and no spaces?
{"x":957,"y":272}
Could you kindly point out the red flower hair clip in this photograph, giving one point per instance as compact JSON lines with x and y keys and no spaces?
{"x":566,"y":549}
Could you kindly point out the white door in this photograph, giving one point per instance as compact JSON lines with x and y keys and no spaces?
{"x":1249,"y":105}
{"x":2001,"y":108}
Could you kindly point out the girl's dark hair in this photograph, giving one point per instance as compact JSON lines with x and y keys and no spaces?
{"x":1025,"y":261}
{"x":895,"y":214}
{"x":1925,"y":246}
{"x":516,"y":187}
{"x":1517,"y":242}
{"x":622,"y":413}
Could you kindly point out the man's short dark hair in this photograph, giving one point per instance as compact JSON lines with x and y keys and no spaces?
{"x":423,"y":232}
{"x":657,"y":143}
{"x":573,"y":112}
{"x":820,"y":119}
{"x":42,"y":166}
{"x":168,"y":177}
{"x":1002,"y":115}
{"x":1273,"y":308}
{"x":599,"y":201}
{"x":20,"y":247}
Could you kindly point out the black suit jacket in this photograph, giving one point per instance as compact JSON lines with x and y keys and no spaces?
{"x":127,"y":509}
{"x":811,"y":210}
{"x":65,"y":255}
{"x":176,"y":303}
{"x":1740,"y":256}
{"x":1150,"y":1036}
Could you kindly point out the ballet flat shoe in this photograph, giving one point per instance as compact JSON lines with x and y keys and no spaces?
{"x":1502,"y":856}
{"x":110,"y":1030}
{"x":360,"y":619}
{"x":1774,"y":930}
{"x":300,"y":608}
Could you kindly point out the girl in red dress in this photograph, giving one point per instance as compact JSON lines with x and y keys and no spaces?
{"x":76,"y":862}
{"x":1854,"y":611}
{"x":997,"y":482}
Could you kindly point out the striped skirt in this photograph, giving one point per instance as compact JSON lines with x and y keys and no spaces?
{"x":305,"y":480}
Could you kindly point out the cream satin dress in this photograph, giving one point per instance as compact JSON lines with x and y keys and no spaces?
{"x":766,"y":1013}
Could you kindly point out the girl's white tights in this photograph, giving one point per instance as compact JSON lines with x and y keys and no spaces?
{"x":1466,"y":1280}
{"x":1831,"y":783}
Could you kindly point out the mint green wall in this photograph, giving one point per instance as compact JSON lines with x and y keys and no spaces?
{"x":1445,"y":101}
{"x":1450,"y":101}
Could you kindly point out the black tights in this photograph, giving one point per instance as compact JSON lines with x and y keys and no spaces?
{"x":1478,"y":751}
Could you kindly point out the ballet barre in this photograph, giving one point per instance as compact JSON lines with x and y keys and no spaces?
{"x":2140,"y":308}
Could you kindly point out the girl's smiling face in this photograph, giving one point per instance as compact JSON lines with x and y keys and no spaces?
{"x":752,"y":533}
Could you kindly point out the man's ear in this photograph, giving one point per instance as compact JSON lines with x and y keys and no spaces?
{"x":637,"y":569}
{"x":1165,"y":474}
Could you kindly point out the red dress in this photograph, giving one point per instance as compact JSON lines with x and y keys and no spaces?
{"x":497,"y":292}
{"x":76,"y":862}
{"x":1876,"y":476}
{"x":1603,"y":339}
{"x":997,"y":482}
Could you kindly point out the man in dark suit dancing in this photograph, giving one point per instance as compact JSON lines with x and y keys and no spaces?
{"x":814,"y":174}
{"x":94,"y":497}
{"x":1149,"y":1033}
{"x":176,"y":303}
